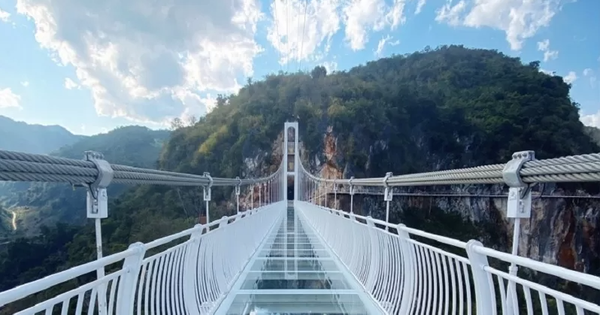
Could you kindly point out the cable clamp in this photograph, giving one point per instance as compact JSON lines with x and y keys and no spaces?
{"x":519,"y":193}
{"x":207,"y":189}
{"x":388,"y":193}
{"x":97,"y":198}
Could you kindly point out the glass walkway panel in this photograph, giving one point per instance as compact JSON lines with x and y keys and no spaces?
{"x":294,"y":272}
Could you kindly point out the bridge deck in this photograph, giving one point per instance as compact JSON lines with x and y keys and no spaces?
{"x":294,"y":272}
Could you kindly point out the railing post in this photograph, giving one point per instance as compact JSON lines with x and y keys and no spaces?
{"x":409,"y":269}
{"x":387,"y":197}
{"x":518,"y":207}
{"x":260,"y":191}
{"x":374,"y":264}
{"x":335,"y":189}
{"x":207,"y":195}
{"x":237,"y":194}
{"x":351,"y":194}
{"x":97,"y":209}
{"x":190,"y":271}
{"x":485,"y":299}
{"x":127,"y":284}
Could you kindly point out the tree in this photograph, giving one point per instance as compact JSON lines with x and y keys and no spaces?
{"x":318,"y":72}
{"x":176,"y":123}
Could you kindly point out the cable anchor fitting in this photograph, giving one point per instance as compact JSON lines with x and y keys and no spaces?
{"x":207,"y":188}
{"x":519,"y":192}
{"x":237,"y":187}
{"x":97,"y":198}
{"x":388,"y":192}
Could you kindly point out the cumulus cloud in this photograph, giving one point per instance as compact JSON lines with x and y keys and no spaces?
{"x":517,"y":18}
{"x":4,"y":16}
{"x":70,"y":84}
{"x":420,"y":5}
{"x":571,"y":77}
{"x":301,"y":29}
{"x":589,"y":73}
{"x":592,"y":120}
{"x":8,"y":99}
{"x":149,"y":61}
{"x":382,"y":42}
{"x":363,"y":16}
{"x":25,"y":83}
{"x":544,"y":46}
{"x":330,"y":66}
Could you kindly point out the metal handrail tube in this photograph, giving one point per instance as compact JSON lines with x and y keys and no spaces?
{"x":561,"y":272}
{"x":60,"y":277}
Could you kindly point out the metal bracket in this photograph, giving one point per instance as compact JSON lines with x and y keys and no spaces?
{"x":237,"y":187}
{"x":97,"y":198}
{"x":207,"y":189}
{"x":351,"y":186}
{"x":519,"y":193}
{"x":388,"y":193}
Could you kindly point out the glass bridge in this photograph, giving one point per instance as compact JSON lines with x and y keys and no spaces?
{"x":294,"y":272}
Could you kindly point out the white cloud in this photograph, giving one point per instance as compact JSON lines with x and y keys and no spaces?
{"x":450,"y":14}
{"x":9,"y":99}
{"x":362,"y":16}
{"x":592,"y":120}
{"x":517,"y":18}
{"x":382,"y":42}
{"x":4,"y":16}
{"x":302,"y":30}
{"x":570,"y":78}
{"x":149,"y":61}
{"x":548,"y":72}
{"x":590,"y":74}
{"x":545,"y":47}
{"x":420,"y":5}
{"x":25,"y":83}
{"x":70,"y":84}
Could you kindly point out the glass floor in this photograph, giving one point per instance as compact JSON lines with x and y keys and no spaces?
{"x":294,"y":273}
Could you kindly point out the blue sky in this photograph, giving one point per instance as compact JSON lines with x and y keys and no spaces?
{"x":91,"y":65}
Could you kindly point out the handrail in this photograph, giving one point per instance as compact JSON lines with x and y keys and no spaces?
{"x":144,"y":273}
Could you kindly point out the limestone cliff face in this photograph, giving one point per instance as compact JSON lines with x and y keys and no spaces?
{"x":563,"y":231}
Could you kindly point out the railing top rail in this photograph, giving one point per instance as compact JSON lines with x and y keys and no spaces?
{"x":18,"y":166}
{"x":434,"y":237}
{"x":577,"y":168}
{"x":36,"y":286}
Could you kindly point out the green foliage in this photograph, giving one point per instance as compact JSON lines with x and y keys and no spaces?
{"x":444,"y":108}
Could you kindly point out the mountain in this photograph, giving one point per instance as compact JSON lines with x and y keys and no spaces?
{"x":23,"y":137}
{"x":435,"y":109}
{"x":37,"y":204}
{"x":594,"y":133}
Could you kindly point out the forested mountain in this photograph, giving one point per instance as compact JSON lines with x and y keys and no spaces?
{"x":436,"y":109}
{"x":38,"y":204}
{"x":19,"y":136}
{"x":594,"y":133}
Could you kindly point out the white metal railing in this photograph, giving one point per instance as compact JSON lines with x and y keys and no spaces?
{"x":407,"y":275}
{"x":191,"y":276}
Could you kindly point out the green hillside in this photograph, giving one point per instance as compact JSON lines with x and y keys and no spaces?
{"x":437,"y":109}
{"x":40,"y":204}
